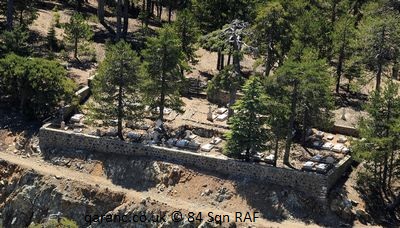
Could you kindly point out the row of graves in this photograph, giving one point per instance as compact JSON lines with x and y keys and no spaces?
{"x":189,"y":138}
{"x":329,"y":148}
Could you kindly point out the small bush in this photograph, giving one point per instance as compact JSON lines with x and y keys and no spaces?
{"x":93,"y":18}
{"x":51,"y":39}
{"x":87,"y":50}
{"x":56,"y":18}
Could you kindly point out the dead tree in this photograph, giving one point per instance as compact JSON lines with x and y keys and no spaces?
{"x":233,"y":34}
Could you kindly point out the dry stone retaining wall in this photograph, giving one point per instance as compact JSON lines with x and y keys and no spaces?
{"x":311,"y":183}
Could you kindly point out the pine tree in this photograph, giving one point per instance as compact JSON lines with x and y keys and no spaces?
{"x":51,"y":38}
{"x":277,"y":111}
{"x":214,"y":14}
{"x":77,"y":29}
{"x":247,"y":133}
{"x":116,"y":86}
{"x":19,"y":12}
{"x":188,"y":32}
{"x":16,"y":41}
{"x":304,"y":86}
{"x":163,"y":61}
{"x":342,"y":36}
{"x":379,"y":39}
{"x":311,"y":30}
{"x":380,"y":131}
{"x":272,"y":34}
{"x":35,"y":85}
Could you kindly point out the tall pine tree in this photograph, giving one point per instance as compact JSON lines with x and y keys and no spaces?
{"x":304,"y":86}
{"x":116,"y":86}
{"x":247,"y":133}
{"x":162,"y":78}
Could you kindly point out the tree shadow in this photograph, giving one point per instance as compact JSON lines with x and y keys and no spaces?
{"x":13,"y":121}
{"x":81,"y":64}
{"x":279,"y":203}
{"x":206,"y":75}
{"x":125,"y":171}
{"x":377,"y":204}
{"x":354,"y":100}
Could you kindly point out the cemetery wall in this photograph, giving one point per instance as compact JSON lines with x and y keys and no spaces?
{"x":311,"y":183}
{"x":340,"y":168}
{"x":82,"y":95}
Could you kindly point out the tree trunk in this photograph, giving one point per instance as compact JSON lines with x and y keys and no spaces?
{"x":276,"y":150}
{"x":120,"y":112}
{"x":158,"y":10}
{"x":237,"y":73}
{"x":169,"y":14}
{"x":268,"y":60}
{"x":379,"y":77}
{"x":148,"y":12}
{"x":162,"y":95}
{"x":119,"y":24}
{"x":21,"y":17}
{"x":162,"y":99}
{"x":304,"y":130}
{"x":291,"y":125}
{"x":339,"y":69}
{"x":333,"y":20}
{"x":236,"y":59}
{"x":222,"y":61}
{"x":391,"y":167}
{"x":247,"y":157}
{"x":126,"y":19}
{"x":333,"y":14}
{"x":386,"y":157}
{"x":232,"y":99}
{"x":10,"y":12}
{"x":229,"y":59}
{"x":395,"y":204}
{"x":100,"y":10}
{"x":76,"y":48}
{"x":160,"y":13}
{"x":380,"y":62}
{"x":219,"y":60}
{"x":23,"y":98}
{"x":395,"y":68}
{"x":100,"y":15}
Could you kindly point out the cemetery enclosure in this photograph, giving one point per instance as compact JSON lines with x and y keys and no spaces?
{"x":317,"y":185}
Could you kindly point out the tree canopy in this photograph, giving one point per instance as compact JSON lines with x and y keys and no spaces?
{"x":35,"y":85}
{"x":162,"y":78}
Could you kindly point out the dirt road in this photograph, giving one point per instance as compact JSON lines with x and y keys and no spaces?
{"x":46,"y":169}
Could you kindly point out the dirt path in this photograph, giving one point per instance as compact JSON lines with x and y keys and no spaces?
{"x":61,"y":172}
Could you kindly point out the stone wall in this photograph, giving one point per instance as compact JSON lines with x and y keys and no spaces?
{"x":82,"y":95}
{"x":312,"y":183}
{"x":334,"y":175}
